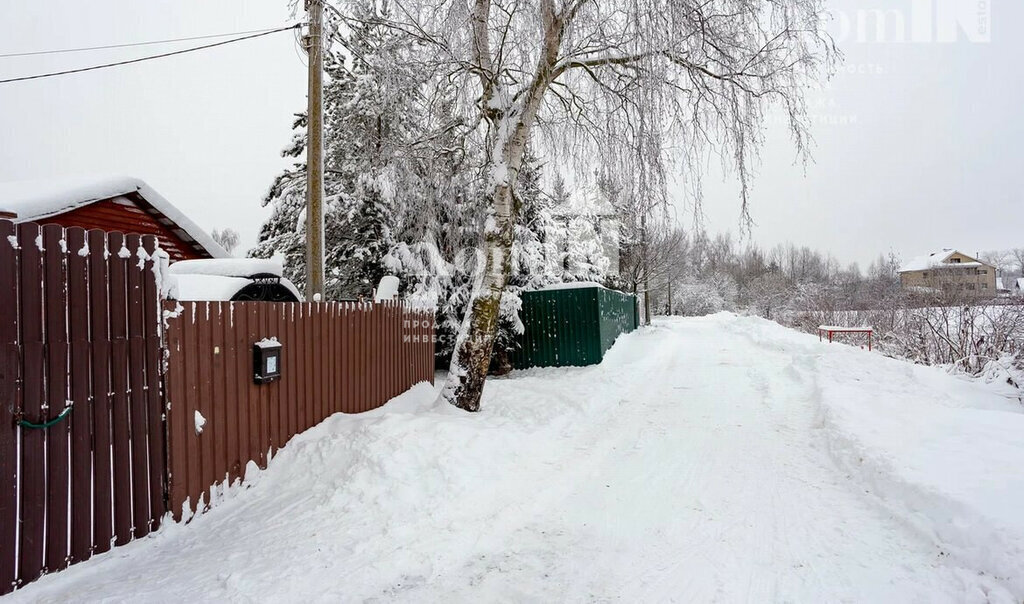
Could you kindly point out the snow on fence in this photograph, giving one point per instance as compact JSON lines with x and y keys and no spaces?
{"x":335,"y":357}
{"x":81,"y":433}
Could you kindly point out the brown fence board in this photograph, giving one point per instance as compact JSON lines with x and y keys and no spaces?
{"x":283,"y":320}
{"x":137,"y":390}
{"x":120,"y":420}
{"x":205,"y":402}
{"x":228,"y":365}
{"x":10,"y":375}
{"x":56,"y":399}
{"x":240,"y":336}
{"x":361,"y":367}
{"x":192,"y":394}
{"x":328,"y":360}
{"x":157,"y":431}
{"x":273,"y":410}
{"x":252,"y":329}
{"x":265,"y":444}
{"x":33,"y":442}
{"x":174,"y":386}
{"x":307,"y":370}
{"x":290,"y":355}
{"x":346,"y":361}
{"x":334,"y":357}
{"x":99,"y":332}
{"x":218,"y":433}
{"x":81,"y":424}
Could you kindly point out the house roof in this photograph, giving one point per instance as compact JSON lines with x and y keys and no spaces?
{"x":938,"y":260}
{"x":1020,"y":283}
{"x":35,"y":200}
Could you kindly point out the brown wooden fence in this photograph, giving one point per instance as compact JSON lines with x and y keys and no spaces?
{"x":335,"y":357}
{"x":82,"y":442}
{"x":98,"y":431}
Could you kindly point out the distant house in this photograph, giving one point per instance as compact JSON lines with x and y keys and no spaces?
{"x":122,"y":204}
{"x":949,"y":271}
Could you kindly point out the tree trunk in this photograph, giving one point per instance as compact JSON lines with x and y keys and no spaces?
{"x":512,"y":126}
{"x":472,"y":356}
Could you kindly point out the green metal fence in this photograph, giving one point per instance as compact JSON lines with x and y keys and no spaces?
{"x":572,"y":327}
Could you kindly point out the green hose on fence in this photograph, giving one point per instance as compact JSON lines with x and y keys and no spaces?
{"x":53,"y":422}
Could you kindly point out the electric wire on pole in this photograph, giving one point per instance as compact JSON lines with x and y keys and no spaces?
{"x":40,"y":76}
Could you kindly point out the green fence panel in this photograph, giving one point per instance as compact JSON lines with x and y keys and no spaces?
{"x":571,"y":327}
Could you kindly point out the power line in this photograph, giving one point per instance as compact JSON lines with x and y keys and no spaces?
{"x":131,"y":44}
{"x":150,"y":57}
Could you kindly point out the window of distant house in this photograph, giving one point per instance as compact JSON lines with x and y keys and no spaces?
{"x":970,"y":286}
{"x":924,"y":275}
{"x":955,"y":260}
{"x":983,"y":271}
{"x":984,"y":286}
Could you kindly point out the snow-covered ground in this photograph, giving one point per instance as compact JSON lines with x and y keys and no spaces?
{"x":716,"y":459}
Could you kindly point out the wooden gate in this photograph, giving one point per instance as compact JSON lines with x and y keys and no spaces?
{"x":82,"y":439}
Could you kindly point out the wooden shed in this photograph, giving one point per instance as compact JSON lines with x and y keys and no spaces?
{"x":122,"y":204}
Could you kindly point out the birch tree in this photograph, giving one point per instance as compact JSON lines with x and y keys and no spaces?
{"x":643,"y":87}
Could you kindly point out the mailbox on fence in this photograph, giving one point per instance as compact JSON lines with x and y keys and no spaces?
{"x":266,"y":360}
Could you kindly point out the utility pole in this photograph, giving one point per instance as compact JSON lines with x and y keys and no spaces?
{"x":315,"y":154}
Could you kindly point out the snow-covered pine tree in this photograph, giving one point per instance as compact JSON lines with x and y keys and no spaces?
{"x":577,"y":249}
{"x":282,"y":233}
{"x":374,"y":117}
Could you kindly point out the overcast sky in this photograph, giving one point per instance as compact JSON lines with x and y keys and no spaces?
{"x":918,"y":143}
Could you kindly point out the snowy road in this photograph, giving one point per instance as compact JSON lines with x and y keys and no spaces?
{"x":704,"y":460}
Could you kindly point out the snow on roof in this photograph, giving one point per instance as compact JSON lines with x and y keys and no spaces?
{"x":228,"y":267}
{"x":34,"y":200}
{"x":1020,"y":283}
{"x":212,"y":288}
{"x":195,"y":288}
{"x":937,"y":260}
{"x":573,"y":285}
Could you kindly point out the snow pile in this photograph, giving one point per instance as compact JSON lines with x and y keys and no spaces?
{"x":696,"y":463}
